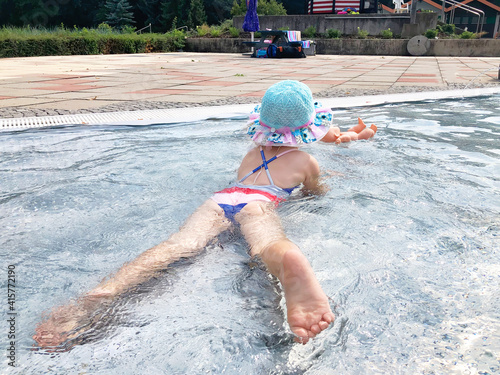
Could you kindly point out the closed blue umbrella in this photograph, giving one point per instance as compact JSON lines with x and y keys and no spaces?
{"x":251,"y":22}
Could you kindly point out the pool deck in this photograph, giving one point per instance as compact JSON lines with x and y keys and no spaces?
{"x":55,"y":85}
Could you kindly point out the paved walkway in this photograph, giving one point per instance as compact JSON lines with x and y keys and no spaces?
{"x":53,"y":85}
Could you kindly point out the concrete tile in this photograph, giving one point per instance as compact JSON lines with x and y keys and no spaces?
{"x":370,"y":85}
{"x":216,"y":83}
{"x":423,"y":84}
{"x":341,"y":74}
{"x":24,"y":102}
{"x":23,"y":92}
{"x":72,"y":105}
{"x":256,"y":94}
{"x":410,"y":74}
{"x":374,"y":78}
{"x":68,"y":87}
{"x":428,"y":81}
{"x":205,"y":77}
{"x":327,"y":82}
{"x":82,"y":95}
{"x":185,"y":98}
{"x":165,"y":91}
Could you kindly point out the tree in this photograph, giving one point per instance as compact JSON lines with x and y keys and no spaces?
{"x":82,"y":13}
{"x":197,"y":15}
{"x":294,"y":6}
{"x":27,"y":12}
{"x":177,"y":10}
{"x":217,"y":10}
{"x":270,"y":8}
{"x":149,"y":12}
{"x":118,"y":13}
{"x":264,"y":8}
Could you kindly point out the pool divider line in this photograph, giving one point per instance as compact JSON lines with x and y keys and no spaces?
{"x":191,"y":114}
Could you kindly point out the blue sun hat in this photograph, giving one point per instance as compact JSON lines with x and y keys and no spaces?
{"x":288,"y":116}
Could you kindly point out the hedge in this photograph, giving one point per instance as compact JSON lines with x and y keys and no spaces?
{"x":89,"y":43}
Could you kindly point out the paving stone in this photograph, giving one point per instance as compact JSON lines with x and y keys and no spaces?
{"x":212,"y":79}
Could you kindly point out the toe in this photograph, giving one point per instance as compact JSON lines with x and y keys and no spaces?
{"x":323,"y":325}
{"x":315,"y":329}
{"x":300,"y":332}
{"x":301,"y":340}
{"x":328,"y":317}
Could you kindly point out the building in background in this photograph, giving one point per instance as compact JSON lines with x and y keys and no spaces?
{"x":335,"y":6}
{"x":461,"y":14}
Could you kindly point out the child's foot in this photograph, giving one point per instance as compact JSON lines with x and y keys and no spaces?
{"x":66,"y":322}
{"x":308,"y":309}
{"x":59,"y":327}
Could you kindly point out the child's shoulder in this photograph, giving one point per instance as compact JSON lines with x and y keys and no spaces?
{"x":303,"y":158}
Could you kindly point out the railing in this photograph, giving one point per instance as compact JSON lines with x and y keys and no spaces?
{"x":144,"y":28}
{"x":456,"y":4}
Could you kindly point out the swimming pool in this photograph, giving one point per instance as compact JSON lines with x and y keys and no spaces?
{"x":406,"y":243}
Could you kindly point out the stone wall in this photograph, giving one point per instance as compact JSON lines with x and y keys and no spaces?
{"x":347,"y":23}
{"x":384,"y":47}
{"x":464,"y":47}
{"x":381,"y":47}
{"x":220,"y":45}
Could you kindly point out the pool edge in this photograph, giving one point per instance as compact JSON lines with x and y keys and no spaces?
{"x":191,"y":114}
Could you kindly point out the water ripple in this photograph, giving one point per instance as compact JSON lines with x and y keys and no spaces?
{"x":405,"y":242}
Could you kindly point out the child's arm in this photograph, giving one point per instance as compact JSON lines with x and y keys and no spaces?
{"x":312,"y":183}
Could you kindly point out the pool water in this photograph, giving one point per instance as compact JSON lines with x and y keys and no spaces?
{"x":406,"y":243}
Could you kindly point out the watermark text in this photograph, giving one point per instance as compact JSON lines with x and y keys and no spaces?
{"x":11,"y":316}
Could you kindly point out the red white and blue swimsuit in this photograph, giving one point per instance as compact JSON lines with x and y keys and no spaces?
{"x":238,"y":195}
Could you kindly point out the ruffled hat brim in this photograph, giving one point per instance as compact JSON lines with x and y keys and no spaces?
{"x":313,"y":131}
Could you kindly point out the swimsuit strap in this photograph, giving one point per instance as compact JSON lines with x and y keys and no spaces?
{"x":264,"y":165}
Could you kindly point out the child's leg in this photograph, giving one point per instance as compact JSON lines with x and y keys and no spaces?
{"x":308,"y":309}
{"x":203,"y":225}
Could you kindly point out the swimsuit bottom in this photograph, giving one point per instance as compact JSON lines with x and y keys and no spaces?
{"x":234,"y":198}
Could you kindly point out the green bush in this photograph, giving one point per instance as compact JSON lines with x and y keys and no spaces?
{"x":310,"y":32}
{"x":203,"y":30}
{"x":35,"y":42}
{"x":467,"y":35}
{"x":448,"y":29}
{"x":226,"y":25}
{"x":431,"y":33}
{"x":362,"y":34}
{"x":127,"y":29}
{"x":333,"y":33}
{"x":234,"y":32}
{"x":386,"y":34}
{"x":215,"y":31}
{"x":104,"y":28}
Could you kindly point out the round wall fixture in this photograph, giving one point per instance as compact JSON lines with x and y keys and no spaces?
{"x":418,"y":45}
